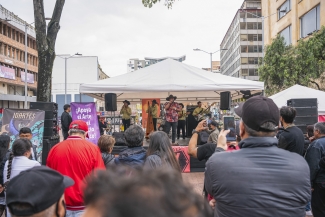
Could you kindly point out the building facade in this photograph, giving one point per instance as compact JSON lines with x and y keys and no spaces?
{"x":243,"y":42}
{"x":294,"y":19}
{"x":215,"y":67}
{"x":80,"y":69}
{"x":135,"y":64}
{"x":12,"y":61}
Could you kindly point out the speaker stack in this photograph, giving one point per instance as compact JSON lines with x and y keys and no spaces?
{"x":51,"y":128}
{"x":307,"y":112}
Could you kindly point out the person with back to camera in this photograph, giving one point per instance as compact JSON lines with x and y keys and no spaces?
{"x":4,"y":155}
{"x":314,"y":155}
{"x":66,"y":121}
{"x":160,"y":153}
{"x":291,"y":138}
{"x":106,"y":145}
{"x":18,"y":161}
{"x":46,"y":199}
{"x":135,"y":154}
{"x":75,"y":157}
{"x":260,"y":179}
{"x":26,"y":133}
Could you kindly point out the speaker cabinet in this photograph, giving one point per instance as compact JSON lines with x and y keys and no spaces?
{"x":51,"y":117}
{"x":310,"y":102}
{"x":225,"y":100}
{"x":110,"y":102}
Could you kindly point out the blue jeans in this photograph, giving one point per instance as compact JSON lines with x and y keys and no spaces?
{"x":308,"y":207}
{"x":172,"y":125}
{"x":74,"y":213}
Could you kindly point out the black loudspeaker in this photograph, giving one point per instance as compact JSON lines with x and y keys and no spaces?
{"x":51,"y":126}
{"x":110,"y":102}
{"x":47,"y":145}
{"x":307,"y":112}
{"x":310,"y":102}
{"x":225,"y":100}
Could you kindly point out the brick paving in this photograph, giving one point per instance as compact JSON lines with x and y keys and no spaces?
{"x":195,"y":180}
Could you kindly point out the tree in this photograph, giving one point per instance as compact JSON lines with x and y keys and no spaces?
{"x":284,"y":66}
{"x":150,"y":3}
{"x":46,"y":46}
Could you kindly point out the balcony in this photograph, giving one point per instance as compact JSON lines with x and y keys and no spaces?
{"x":18,"y":82}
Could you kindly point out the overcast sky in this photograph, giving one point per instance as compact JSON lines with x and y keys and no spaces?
{"x":117,"y":30}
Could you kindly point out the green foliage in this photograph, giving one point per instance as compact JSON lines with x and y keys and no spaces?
{"x":284,"y":66}
{"x":150,"y":3}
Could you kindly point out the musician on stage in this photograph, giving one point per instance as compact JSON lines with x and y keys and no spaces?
{"x":153,"y":110}
{"x":199,"y":110}
{"x":172,"y":108}
{"x":181,"y":122}
{"x":126,"y":114}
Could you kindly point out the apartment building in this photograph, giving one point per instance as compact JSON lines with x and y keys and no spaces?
{"x":215,"y":67}
{"x":243,"y":42}
{"x":12,"y":61}
{"x":135,"y":64}
{"x":294,"y":19}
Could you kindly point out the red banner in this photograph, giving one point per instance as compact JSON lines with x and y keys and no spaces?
{"x":183,"y":158}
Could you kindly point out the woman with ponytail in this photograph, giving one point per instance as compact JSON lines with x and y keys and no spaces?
{"x":18,"y":161}
{"x":4,"y":154}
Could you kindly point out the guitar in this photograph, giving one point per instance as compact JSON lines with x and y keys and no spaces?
{"x":202,"y":114}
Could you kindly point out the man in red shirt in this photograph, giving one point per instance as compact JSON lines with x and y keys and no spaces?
{"x":172,"y":108}
{"x":75,"y":157}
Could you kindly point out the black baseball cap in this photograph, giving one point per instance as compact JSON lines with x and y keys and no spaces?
{"x":258,"y":110}
{"x":41,"y":187}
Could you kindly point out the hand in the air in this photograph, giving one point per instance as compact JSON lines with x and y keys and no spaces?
{"x":201,"y":126}
{"x":222,"y":139}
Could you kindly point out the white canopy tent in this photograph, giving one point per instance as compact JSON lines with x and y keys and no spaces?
{"x":188,"y":83}
{"x":300,"y":92}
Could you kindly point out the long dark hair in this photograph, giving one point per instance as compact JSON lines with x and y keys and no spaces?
{"x":159,"y":141}
{"x":19,"y":148}
{"x":4,"y":145}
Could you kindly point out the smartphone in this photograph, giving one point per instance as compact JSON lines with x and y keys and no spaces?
{"x":229,"y":124}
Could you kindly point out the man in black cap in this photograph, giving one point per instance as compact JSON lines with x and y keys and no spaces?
{"x":172,"y":108}
{"x":37,"y":192}
{"x":126,"y":114}
{"x":260,"y":179}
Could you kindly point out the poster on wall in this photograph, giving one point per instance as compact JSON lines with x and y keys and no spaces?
{"x":145,"y":109}
{"x":87,"y":113}
{"x":15,"y":119}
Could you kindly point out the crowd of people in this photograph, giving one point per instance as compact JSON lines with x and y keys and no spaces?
{"x":273,"y":169}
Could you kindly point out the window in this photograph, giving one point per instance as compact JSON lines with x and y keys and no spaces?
{"x":253,"y":60}
{"x":253,"y":72}
{"x":254,"y":25}
{"x":284,"y":8}
{"x":244,"y":60}
{"x":243,"y":37}
{"x":310,"y":22}
{"x":286,"y":34}
{"x":244,"y":72}
{"x":244,"y":49}
{"x":254,"y":48}
{"x":242,"y":25}
{"x":255,"y":37}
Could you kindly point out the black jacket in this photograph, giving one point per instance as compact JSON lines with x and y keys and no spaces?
{"x":314,"y":154}
{"x":292,"y":139}
{"x":65,"y":121}
{"x":258,"y":180}
{"x":101,"y":127}
{"x":108,"y":159}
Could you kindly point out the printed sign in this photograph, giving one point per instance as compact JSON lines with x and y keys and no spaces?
{"x":6,"y":72}
{"x":15,"y":119}
{"x":183,"y":158}
{"x":30,"y":77}
{"x":87,"y":113}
